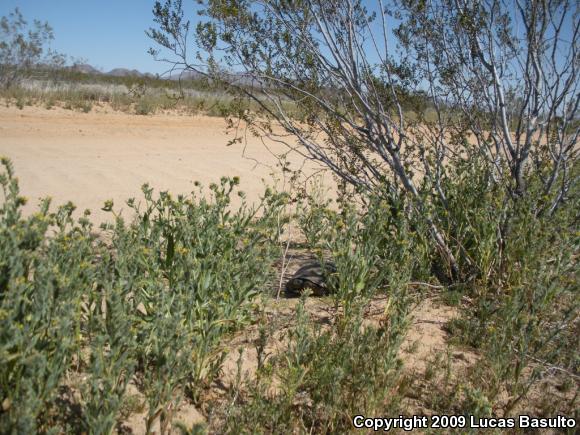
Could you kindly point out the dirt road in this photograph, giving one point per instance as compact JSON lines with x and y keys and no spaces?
{"x":89,"y":158}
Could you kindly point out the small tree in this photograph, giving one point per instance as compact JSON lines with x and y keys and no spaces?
{"x":464,"y":80}
{"x":23,"y":48}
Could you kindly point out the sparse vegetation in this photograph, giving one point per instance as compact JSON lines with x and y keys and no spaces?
{"x":62,"y":89}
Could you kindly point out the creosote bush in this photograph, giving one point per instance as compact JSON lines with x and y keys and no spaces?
{"x":518,"y":311}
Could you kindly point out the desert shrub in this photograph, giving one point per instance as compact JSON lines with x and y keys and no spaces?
{"x":121,"y":102}
{"x":49,"y":103}
{"x":329,"y":373}
{"x":130,"y":95}
{"x":519,"y":263}
{"x":24,"y":46}
{"x":374,"y":244}
{"x":326,"y":376}
{"x":84,"y":106}
{"x":144,"y":106}
{"x":201,"y":266}
{"x":151,"y":306}
{"x":472,"y":216}
{"x":154,"y":305}
{"x":41,"y":290}
{"x":518,"y":273}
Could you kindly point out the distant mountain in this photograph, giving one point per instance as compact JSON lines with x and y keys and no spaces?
{"x":85,"y":68}
{"x":124,"y":72}
{"x":116,"y":72}
{"x":239,"y":78}
{"x":185,"y":75}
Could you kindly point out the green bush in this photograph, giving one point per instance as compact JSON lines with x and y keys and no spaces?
{"x":328,"y":374}
{"x":375,"y":247}
{"x":41,"y":291}
{"x":153,"y":305}
{"x":521,"y":273}
{"x":144,"y":107}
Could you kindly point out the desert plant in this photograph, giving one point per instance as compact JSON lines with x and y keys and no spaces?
{"x":204,"y":266}
{"x":523,"y":287}
{"x":326,"y":375}
{"x":41,"y":290}
{"x":151,"y":306}
{"x":144,"y":107}
{"x":329,"y":373}
{"x":23,"y":48}
{"x":110,"y":335}
{"x":466,"y":82}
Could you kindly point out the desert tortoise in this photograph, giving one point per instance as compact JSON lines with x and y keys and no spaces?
{"x":312,"y":275}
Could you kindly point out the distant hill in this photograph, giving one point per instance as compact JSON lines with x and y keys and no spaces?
{"x":116,"y":72}
{"x":124,"y":72}
{"x":85,"y":68}
{"x":185,"y":75}
{"x":241,"y":79}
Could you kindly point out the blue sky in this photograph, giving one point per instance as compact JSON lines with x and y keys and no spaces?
{"x":107,"y":33}
{"x":111,"y":33}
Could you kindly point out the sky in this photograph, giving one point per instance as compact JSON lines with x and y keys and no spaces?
{"x":110,"y":34}
{"x":106,"y":33}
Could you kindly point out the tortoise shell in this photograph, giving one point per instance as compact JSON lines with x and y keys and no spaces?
{"x":312,"y":275}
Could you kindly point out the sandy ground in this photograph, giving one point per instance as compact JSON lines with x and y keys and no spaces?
{"x":89,"y":158}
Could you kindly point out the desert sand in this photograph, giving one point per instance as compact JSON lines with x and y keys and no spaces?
{"x":88,"y":158}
